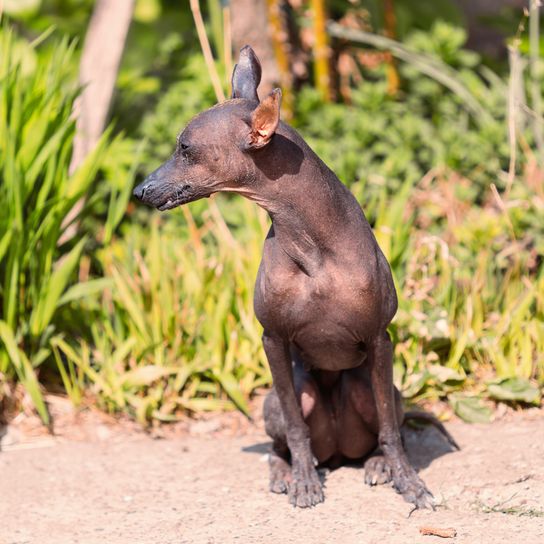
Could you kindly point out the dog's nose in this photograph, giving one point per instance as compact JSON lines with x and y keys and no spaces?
{"x":140,"y":190}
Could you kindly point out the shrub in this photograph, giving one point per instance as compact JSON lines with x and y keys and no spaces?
{"x":38,"y":263}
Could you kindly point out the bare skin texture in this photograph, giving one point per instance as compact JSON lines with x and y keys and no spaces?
{"x":343,"y":425}
{"x":324,"y":292}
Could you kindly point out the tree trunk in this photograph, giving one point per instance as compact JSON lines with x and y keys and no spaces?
{"x":102,"y":52}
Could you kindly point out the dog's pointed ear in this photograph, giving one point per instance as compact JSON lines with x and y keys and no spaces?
{"x":264,"y":121}
{"x":246,"y":75}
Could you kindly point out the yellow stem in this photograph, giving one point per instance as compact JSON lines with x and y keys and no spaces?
{"x":321,"y":50}
{"x":393,"y":80}
{"x":207,"y":51}
{"x":227,"y":41}
{"x":278,"y":43}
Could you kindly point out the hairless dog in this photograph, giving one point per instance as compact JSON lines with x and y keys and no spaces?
{"x":324,"y":293}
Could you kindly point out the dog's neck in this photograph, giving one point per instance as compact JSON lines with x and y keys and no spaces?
{"x":308,"y":205}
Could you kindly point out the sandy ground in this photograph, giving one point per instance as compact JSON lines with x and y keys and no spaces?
{"x":212,"y":488}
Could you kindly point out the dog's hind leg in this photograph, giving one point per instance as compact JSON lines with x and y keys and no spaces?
{"x":280,"y":468}
{"x":359,"y":426}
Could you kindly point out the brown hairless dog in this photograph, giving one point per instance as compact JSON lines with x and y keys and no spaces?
{"x":324,"y":292}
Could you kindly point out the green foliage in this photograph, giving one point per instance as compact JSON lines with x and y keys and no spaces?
{"x":466,"y":318}
{"x":165,"y":323}
{"x":183,"y":99}
{"x":422,"y":16}
{"x":471,"y":408}
{"x":471,"y":307}
{"x":37,"y":262}
{"x":160,"y":43}
{"x":175,"y":329}
{"x":384,"y":140}
{"x":409,"y":15}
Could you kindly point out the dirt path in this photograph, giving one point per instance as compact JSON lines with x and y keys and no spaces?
{"x":213,"y":489}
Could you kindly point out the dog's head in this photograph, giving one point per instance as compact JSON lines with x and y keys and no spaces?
{"x":213,"y":153}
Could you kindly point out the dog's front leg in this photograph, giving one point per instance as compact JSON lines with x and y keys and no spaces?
{"x":305,"y":488}
{"x":405,"y":478}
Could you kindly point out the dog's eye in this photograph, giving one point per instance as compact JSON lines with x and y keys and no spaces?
{"x":183,"y":150}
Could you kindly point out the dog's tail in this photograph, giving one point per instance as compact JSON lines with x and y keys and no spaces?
{"x":433,"y":420}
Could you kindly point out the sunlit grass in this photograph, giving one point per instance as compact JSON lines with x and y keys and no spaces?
{"x":175,"y":330}
{"x":38,"y":269}
{"x":157,"y":320}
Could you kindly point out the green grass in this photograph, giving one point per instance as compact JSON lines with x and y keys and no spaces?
{"x":38,"y":271}
{"x":155,"y":318}
{"x":471,"y":306}
{"x":175,"y":331}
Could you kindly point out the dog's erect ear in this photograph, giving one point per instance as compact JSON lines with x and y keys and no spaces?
{"x":264,"y":121}
{"x":246,"y":75}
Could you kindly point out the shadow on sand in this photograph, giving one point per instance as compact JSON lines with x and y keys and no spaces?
{"x":423,"y":446}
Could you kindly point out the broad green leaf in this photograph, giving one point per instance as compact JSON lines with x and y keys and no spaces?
{"x":24,"y":370}
{"x":414,"y":384}
{"x":146,"y":375}
{"x":85,"y":289}
{"x":514,"y":389}
{"x":471,"y":409}
{"x":444,"y":374}
{"x":52,"y":291}
{"x":231,"y":387}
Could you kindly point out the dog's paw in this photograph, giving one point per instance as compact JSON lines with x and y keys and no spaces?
{"x":306,"y":492}
{"x":280,"y":474}
{"x":413,"y":490}
{"x":377,"y":471}
{"x":279,"y":485}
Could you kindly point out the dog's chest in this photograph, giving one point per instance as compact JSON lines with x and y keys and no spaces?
{"x":326,"y":316}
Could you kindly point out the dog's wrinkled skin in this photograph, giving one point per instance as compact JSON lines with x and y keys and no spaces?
{"x":324,"y":292}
